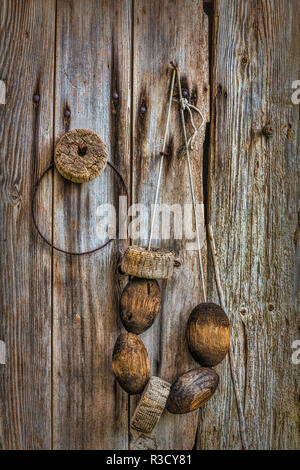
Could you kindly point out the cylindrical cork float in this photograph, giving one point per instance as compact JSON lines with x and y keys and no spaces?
{"x":153,"y":264}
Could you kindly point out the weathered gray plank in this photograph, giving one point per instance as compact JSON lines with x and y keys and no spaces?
{"x":165,"y":31}
{"x":26,"y":146}
{"x":93,"y":61}
{"x":253,"y":207}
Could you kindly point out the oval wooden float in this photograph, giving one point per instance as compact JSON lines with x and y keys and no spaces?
{"x":80,"y":155}
{"x":208,"y":334}
{"x":154,"y":264}
{"x":130,"y":363}
{"x":140,"y":304}
{"x":192,"y":390}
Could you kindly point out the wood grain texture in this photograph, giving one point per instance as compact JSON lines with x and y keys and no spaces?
{"x":253,"y":208}
{"x":26,"y":145}
{"x":93,"y":62}
{"x":75,"y":63}
{"x":165,"y":31}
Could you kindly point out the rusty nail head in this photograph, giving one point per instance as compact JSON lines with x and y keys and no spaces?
{"x":268,"y":130}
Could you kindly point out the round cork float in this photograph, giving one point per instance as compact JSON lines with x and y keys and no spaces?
{"x":192,"y":390}
{"x":208,"y":334}
{"x":154,"y":264}
{"x":151,"y":405}
{"x":80,"y":155}
{"x":139,"y":304}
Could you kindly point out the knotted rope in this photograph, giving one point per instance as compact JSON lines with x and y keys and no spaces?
{"x":189,"y":107}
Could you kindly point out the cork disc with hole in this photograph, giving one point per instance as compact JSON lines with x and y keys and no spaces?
{"x":151,"y":405}
{"x":154,"y":264}
{"x":80,"y":155}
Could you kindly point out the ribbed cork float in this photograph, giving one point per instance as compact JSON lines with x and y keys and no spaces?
{"x":80,"y":155}
{"x":151,"y":405}
{"x":154,"y":264}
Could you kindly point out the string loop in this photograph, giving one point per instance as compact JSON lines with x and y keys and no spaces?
{"x":61,"y":250}
{"x":186,"y":105}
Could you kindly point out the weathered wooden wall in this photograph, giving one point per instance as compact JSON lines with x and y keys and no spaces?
{"x":253,"y":208}
{"x":92,"y":59}
{"x":59,"y":315}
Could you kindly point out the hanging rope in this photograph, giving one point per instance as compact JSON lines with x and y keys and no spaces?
{"x":189,"y":145}
{"x":234,"y":377}
{"x":161,"y":160}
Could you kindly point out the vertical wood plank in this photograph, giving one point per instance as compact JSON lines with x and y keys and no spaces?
{"x":253,"y":195}
{"x":26,"y":129}
{"x":93,"y":61}
{"x":165,"y":31}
